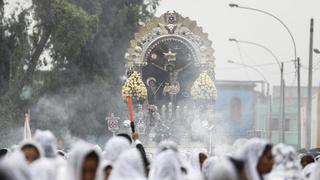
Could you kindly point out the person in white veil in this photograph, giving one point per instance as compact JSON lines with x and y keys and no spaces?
{"x":188,"y":172}
{"x":237,"y":145}
{"x":315,"y":175}
{"x":286,"y":165}
{"x":105,"y":170}
{"x":129,"y":166}
{"x":197,"y":160}
{"x":32,"y":150}
{"x":16,"y":166}
{"x":224,"y":170}
{"x":47,"y":141}
{"x":208,"y":166}
{"x":114,"y":147}
{"x":166,"y":145}
{"x":48,"y":167}
{"x":257,"y":157}
{"x":165,"y":167}
{"x":83,"y":163}
{"x":309,"y":169}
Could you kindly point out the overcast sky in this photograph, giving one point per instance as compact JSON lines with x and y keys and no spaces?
{"x":222,"y":22}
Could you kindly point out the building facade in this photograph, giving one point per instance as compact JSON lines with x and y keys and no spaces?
{"x":290,"y":124}
{"x":242,"y":109}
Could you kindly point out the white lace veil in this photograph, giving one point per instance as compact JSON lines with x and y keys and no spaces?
{"x":165,"y":167}
{"x":114,"y":148}
{"x":48,"y":142}
{"x":251,"y":154}
{"x":77,"y":156}
{"x":208,"y":166}
{"x":223,"y":170}
{"x":129,"y":166}
{"x":34,"y":144}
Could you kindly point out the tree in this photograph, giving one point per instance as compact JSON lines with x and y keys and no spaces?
{"x":86,"y":42}
{"x":22,"y":50}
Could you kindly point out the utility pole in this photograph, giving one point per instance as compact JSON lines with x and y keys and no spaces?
{"x":299,"y":102}
{"x":309,"y":105}
{"x":281,"y":121}
{"x":268,"y":124}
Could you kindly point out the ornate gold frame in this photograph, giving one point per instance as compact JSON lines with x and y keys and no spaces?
{"x":171,"y":25}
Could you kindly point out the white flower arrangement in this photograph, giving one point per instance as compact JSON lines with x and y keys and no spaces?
{"x":204,"y":88}
{"x":134,"y":87}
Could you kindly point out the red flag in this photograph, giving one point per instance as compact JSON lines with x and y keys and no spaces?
{"x":131,"y":113}
{"x":130,"y":108}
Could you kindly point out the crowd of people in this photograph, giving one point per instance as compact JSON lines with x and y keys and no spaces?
{"x":124,"y":158}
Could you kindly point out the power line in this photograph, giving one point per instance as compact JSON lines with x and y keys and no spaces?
{"x":241,"y":59}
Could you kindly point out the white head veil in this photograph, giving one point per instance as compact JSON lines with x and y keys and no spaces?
{"x":309,"y":169}
{"x":237,"y":145}
{"x":48,"y":167}
{"x":48,"y":142}
{"x":114,"y":148}
{"x":17,"y":166}
{"x":195,"y":161}
{"x":287,"y":165}
{"x":34,"y":144}
{"x":165,"y":167}
{"x":43,"y":169}
{"x":315,"y":175}
{"x":224,"y":170}
{"x":166,"y":145}
{"x":77,"y":156}
{"x":192,"y":174}
{"x":208,"y":166}
{"x":251,"y":154}
{"x":129,"y":166}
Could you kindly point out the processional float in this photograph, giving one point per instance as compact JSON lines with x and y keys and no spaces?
{"x":170,"y":69}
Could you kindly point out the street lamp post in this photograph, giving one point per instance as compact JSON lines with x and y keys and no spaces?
{"x":260,"y":46}
{"x":281,"y":76}
{"x":273,"y":16}
{"x":295,"y":59}
{"x":264,"y":79}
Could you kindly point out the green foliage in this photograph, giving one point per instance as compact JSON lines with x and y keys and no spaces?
{"x":73,"y":28}
{"x":88,"y":40}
